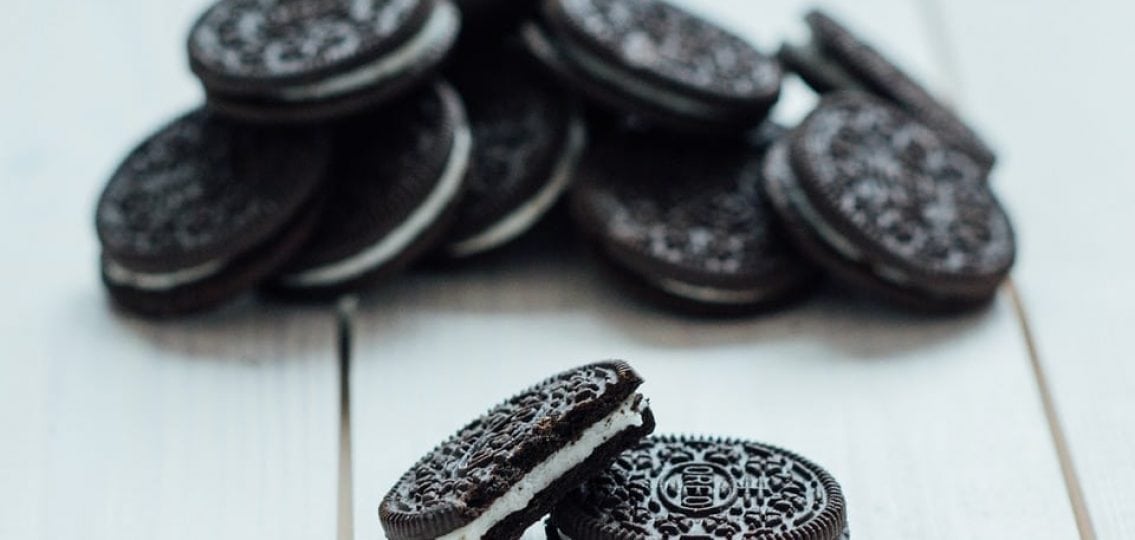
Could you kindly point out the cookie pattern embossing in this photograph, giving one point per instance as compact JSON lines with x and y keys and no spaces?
{"x":474,"y":466}
{"x":278,"y":38}
{"x":674,"y":487}
{"x":665,"y":40}
{"x":897,"y":181}
{"x":694,"y":207}
{"x":201,"y":182}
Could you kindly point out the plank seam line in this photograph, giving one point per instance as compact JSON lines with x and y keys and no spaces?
{"x":943,"y":48}
{"x":344,"y":318}
{"x":1056,"y":428}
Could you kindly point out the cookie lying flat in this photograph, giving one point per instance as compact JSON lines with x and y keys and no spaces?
{"x":506,"y":469}
{"x":885,"y":203}
{"x":837,"y":59}
{"x":689,"y":219}
{"x":655,"y":60}
{"x":204,"y":209}
{"x":527,"y":138}
{"x":685,"y":487}
{"x":305,"y":60}
{"x":396,"y":178}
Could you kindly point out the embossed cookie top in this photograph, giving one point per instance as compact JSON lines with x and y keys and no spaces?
{"x":693,"y":207}
{"x":204,"y":189}
{"x":519,"y":128}
{"x":893,"y":180}
{"x":275,"y":39}
{"x":888,"y":80}
{"x":684,"y":487}
{"x":383,"y":167}
{"x":674,"y":45}
{"x":459,"y":479}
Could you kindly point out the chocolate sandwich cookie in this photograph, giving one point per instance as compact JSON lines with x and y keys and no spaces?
{"x":655,"y":60}
{"x":885,"y":203}
{"x":689,"y":220}
{"x":396,"y":177}
{"x":306,"y":60}
{"x":505,"y":470}
{"x":836,"y":59}
{"x":527,"y":138}
{"x":205,"y":208}
{"x":689,"y":487}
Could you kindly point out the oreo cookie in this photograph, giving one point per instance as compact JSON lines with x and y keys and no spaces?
{"x":504,"y":471}
{"x":397,"y":176}
{"x":885,"y":203}
{"x":527,"y":138}
{"x":204,"y":209}
{"x":307,"y":60}
{"x":692,"y":487}
{"x":657,"y":61}
{"x":688,"y":220}
{"x":836,"y":59}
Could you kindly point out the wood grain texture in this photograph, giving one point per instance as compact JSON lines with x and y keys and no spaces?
{"x":222,"y":426}
{"x":1046,"y":83}
{"x":932,"y":425}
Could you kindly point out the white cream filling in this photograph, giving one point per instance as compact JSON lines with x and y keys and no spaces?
{"x":833,"y":238}
{"x":712,"y":295}
{"x":442,"y":25}
{"x":419,"y":220}
{"x":159,"y":281}
{"x":612,"y":75}
{"x":541,"y":476}
{"x":522,"y":218}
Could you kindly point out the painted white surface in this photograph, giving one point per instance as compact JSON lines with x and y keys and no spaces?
{"x":932,"y":426}
{"x":218,"y":427}
{"x":1052,"y":87}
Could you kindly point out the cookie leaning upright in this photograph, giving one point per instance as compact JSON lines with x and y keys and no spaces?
{"x":837,"y":59}
{"x":305,"y":60}
{"x":886,"y":203}
{"x":396,"y":178}
{"x":695,"y":487}
{"x":204,"y":209}
{"x":657,"y":61}
{"x":527,"y":137}
{"x":506,"y":469}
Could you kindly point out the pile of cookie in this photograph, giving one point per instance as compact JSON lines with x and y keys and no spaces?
{"x":577,"y":448}
{"x":343,"y":141}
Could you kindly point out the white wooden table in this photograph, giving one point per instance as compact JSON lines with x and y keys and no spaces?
{"x":1014,"y":423}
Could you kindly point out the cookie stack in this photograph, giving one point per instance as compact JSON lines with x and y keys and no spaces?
{"x":343,"y":141}
{"x":577,"y":447}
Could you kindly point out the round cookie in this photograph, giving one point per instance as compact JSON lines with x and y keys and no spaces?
{"x":205,"y":208}
{"x":527,"y":138}
{"x":694,"y":487}
{"x":309,"y":60}
{"x":655,"y":60}
{"x":885,"y":203}
{"x":397,"y":176}
{"x":837,"y":59}
{"x":688,"y":220}
{"x":504,"y":471}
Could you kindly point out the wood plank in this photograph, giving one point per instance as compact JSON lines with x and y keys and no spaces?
{"x":223,"y":426}
{"x":932,"y":425}
{"x":1044,"y":82}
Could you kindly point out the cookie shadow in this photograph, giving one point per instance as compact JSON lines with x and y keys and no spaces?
{"x":248,"y":330}
{"x":555,"y":273}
